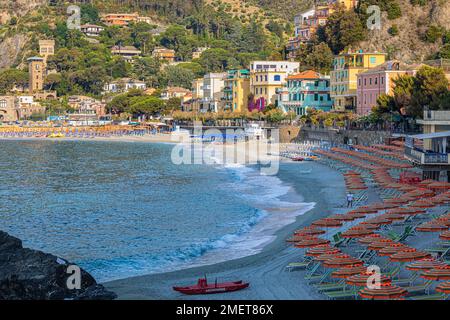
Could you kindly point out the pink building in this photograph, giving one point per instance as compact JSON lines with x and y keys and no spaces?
{"x":377,"y":81}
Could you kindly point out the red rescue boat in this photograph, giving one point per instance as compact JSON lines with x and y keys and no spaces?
{"x":202,"y":287}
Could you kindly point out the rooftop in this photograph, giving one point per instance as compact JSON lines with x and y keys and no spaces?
{"x":308,"y":74}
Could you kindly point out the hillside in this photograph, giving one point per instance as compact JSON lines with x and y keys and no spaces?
{"x":410,"y":44}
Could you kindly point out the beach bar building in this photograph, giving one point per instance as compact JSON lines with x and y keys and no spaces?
{"x":430,"y":151}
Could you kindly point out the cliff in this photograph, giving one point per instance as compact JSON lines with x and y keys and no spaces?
{"x":27,"y":274}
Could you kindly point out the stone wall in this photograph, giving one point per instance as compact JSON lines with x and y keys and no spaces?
{"x":289,"y":133}
{"x":339,"y":136}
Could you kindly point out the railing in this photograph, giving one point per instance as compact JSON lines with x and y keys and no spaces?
{"x":436,"y":115}
{"x":420,"y":156}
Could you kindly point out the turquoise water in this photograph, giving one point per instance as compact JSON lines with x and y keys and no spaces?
{"x":123,"y":209}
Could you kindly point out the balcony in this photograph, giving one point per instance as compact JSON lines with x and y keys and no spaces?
{"x":422,"y":157}
{"x":435,"y":117}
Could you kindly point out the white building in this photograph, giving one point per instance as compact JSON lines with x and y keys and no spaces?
{"x":91,"y":30}
{"x":124,"y":85}
{"x":213,"y":84}
{"x":300,"y":19}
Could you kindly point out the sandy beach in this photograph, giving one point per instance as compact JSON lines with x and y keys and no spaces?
{"x":265,"y":271}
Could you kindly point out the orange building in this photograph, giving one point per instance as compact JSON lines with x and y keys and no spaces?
{"x":164,"y":54}
{"x":119,"y":19}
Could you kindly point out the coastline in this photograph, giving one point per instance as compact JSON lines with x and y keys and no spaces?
{"x":268,"y":280}
{"x":266,"y":270}
{"x":157,"y":138}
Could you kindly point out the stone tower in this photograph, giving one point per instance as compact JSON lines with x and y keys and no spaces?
{"x":36,"y":69}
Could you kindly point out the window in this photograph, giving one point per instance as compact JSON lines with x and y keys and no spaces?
{"x":373,"y":59}
{"x":365,"y":81}
{"x":382,"y":80}
{"x":316,"y":97}
{"x":370,"y":80}
{"x":265,"y":78}
{"x":3,"y":104}
{"x":376,"y":80}
{"x":277,"y":77}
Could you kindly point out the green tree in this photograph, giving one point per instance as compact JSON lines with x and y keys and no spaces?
{"x":320,"y":58}
{"x":215,"y":60}
{"x":430,"y":90}
{"x":343,"y":28}
{"x":12,"y":77}
{"x":176,"y":76}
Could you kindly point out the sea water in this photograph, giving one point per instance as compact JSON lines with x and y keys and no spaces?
{"x":122,"y":209}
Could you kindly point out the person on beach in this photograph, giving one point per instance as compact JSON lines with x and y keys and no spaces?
{"x":349,"y":200}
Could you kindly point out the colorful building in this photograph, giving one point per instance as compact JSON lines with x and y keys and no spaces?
{"x":377,"y":81}
{"x":307,"y":23}
{"x":236,"y":90}
{"x":119,"y":19}
{"x":306,"y":90}
{"x":164,"y":54}
{"x":267,"y":79}
{"x":343,"y":80}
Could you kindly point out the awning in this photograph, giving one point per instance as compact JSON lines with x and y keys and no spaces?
{"x":430,"y":135}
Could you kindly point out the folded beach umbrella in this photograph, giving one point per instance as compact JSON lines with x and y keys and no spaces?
{"x":439,"y":185}
{"x":437,"y":274}
{"x":344,"y":217}
{"x":383,"y":293}
{"x":360,"y":280}
{"x":310,"y":232}
{"x":342,"y":262}
{"x":445,"y":235}
{"x":365,"y":210}
{"x":368,"y":226}
{"x":431,"y":227}
{"x":393,"y":248}
{"x":444,"y":287}
{"x":406,"y":211}
{"x":327,"y":223}
{"x":384,"y":205}
{"x":369,"y":239}
{"x":422,"y":204}
{"x":408,"y":256}
{"x":344,"y":273}
{"x":298,"y":238}
{"x":322,"y":249}
{"x":379,"y":244}
{"x":425,"y":264}
{"x":328,"y":256}
{"x":377,"y":221}
{"x":393,"y":216}
{"x":310,"y":243}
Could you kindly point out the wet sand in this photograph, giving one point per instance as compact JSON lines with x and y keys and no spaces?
{"x":266,"y":270}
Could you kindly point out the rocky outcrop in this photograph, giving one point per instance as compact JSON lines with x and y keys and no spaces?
{"x":27,"y":274}
{"x":10,"y":49}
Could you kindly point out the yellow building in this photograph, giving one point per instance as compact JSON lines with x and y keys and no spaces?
{"x":343,"y":82}
{"x":236,"y":90}
{"x":267,"y":78}
{"x":349,"y":4}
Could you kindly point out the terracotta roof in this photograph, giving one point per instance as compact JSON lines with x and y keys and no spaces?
{"x":308,"y":74}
